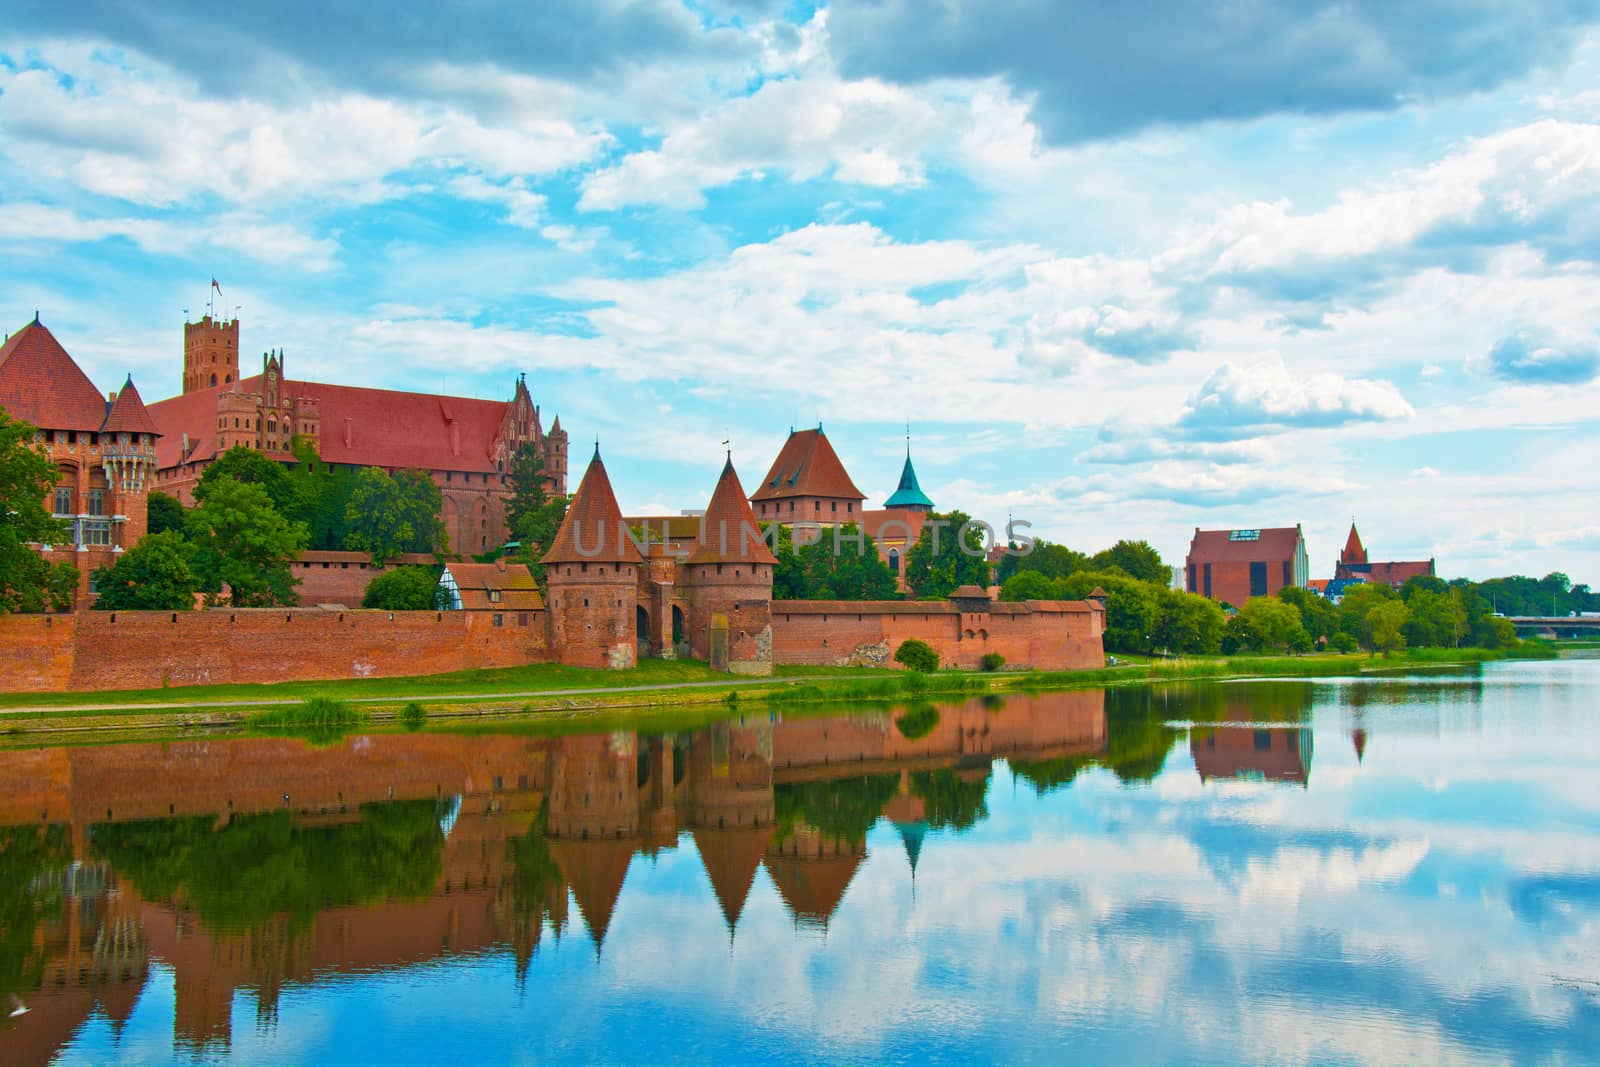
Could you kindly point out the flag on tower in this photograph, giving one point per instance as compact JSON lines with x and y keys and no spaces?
{"x":215,"y":286}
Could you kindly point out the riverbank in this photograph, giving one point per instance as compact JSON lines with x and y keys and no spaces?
{"x":654,"y":688}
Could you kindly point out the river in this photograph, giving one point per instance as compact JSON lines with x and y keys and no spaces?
{"x":1403,"y":870}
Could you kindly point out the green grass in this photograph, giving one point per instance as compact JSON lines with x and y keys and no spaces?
{"x":320,"y":719}
{"x":533,"y":678}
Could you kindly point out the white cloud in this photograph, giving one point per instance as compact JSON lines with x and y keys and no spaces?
{"x":1243,"y":401}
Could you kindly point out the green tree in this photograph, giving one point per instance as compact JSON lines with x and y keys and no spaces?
{"x":841,"y":564}
{"x":165,"y":514}
{"x":391,"y":514}
{"x":1357,"y":604}
{"x":1132,"y":607}
{"x":1317,"y":613}
{"x":1047,"y":558}
{"x":153,"y":575}
{"x":322,"y":496}
{"x":1030,"y":585}
{"x":240,"y":539}
{"x":1386,"y":624}
{"x":403,"y":589}
{"x":1275,"y":623}
{"x":1239,"y":636}
{"x":1431,"y":618}
{"x":944,"y":558}
{"x":27,"y":581}
{"x":1137,"y":559}
{"x":1187,"y":624}
{"x":250,"y":467}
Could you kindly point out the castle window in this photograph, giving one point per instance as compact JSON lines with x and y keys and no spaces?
{"x":499,"y":620}
{"x":227,"y":378}
{"x":213,"y":379}
{"x":97,"y":533}
{"x":63,"y":500}
{"x":833,"y":506}
{"x":849,"y":507}
{"x":97,"y":502}
{"x":494,"y":596}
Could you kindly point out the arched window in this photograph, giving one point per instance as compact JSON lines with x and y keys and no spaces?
{"x":894,"y":560}
{"x":213,"y":379}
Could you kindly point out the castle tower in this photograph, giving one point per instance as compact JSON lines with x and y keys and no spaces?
{"x":128,"y":459}
{"x":592,"y":571}
{"x":210,"y":353}
{"x":908,"y":494}
{"x":555,"y":457}
{"x":1354,"y":550}
{"x":727,"y":581}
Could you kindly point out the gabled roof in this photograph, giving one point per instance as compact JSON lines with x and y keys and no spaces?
{"x":1228,"y":546}
{"x":1354,"y":550}
{"x":594,"y":523}
{"x":386,"y":427}
{"x":512,"y":581}
{"x":128,"y":413}
{"x":909,"y":494}
{"x":40,"y":384}
{"x":728,"y":530}
{"x":807,"y":466}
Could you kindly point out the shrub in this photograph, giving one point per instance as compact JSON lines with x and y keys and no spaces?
{"x":917,"y":655}
{"x":319,"y":719}
{"x":403,"y":589}
{"x":413,"y":715}
{"x":992,"y":661}
{"x":1342,"y":642}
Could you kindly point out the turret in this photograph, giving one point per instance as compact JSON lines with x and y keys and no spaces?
{"x":210,"y":353}
{"x":592,"y":571}
{"x":727,"y":581}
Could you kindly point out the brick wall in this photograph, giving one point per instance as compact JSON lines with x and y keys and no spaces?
{"x":1044,"y":638}
{"x":95,"y":650}
{"x":343,"y":577}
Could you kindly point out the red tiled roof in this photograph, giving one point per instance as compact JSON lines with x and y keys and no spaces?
{"x":812,"y":887}
{"x":807,"y":466}
{"x":128,"y":413}
{"x":359,"y":426}
{"x":1216,"y":546}
{"x":42,"y":385}
{"x":191,"y":415}
{"x":593,"y":520}
{"x":595,"y":870}
{"x":1398,"y":571}
{"x":728,"y":532}
{"x":476,"y":581}
{"x":731,"y":858}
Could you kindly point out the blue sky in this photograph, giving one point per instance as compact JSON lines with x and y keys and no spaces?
{"x":1125,"y":276}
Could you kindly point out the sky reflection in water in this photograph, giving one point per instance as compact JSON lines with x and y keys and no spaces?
{"x":1315,"y":872}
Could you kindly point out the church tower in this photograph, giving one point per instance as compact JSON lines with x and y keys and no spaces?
{"x":592,"y":573}
{"x":210,"y":353}
{"x":727,"y":581}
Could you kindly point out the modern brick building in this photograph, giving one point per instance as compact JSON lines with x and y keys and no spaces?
{"x":1231,"y":566}
{"x":465,"y":443}
{"x":103,"y":444}
{"x":1353,"y":566}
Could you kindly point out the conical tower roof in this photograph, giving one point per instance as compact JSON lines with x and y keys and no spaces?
{"x":128,"y":413}
{"x":1354,"y":550}
{"x":807,"y":465}
{"x":728,"y":530}
{"x":595,"y":870}
{"x":911,"y":835}
{"x":814,"y":886}
{"x":593,"y":531}
{"x":731,"y":858}
{"x":43,"y":386}
{"x":909,"y":494}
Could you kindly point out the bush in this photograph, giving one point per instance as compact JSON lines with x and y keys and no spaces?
{"x":319,"y":719}
{"x":413,"y":715}
{"x":1342,"y":642}
{"x":917,"y":655}
{"x":992,"y":661}
{"x":918,"y":722}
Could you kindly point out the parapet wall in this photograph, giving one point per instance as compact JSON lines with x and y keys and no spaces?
{"x":1042,"y":635}
{"x":95,"y":650}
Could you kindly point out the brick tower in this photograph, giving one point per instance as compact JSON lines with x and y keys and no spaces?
{"x":592,"y":570}
{"x":210,"y":353}
{"x":727,"y":582}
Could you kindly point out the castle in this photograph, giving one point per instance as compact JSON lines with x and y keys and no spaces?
{"x":465,"y":444}
{"x":612,"y":597}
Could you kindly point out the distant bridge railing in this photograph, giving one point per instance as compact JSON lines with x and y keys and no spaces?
{"x":1556,"y":625}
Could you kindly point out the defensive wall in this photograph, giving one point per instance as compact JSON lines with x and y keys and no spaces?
{"x":94,"y":650}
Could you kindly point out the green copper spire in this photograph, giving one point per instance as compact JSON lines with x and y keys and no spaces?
{"x":909,"y":494}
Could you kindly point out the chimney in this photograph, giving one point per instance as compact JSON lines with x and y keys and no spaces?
{"x":500,"y":564}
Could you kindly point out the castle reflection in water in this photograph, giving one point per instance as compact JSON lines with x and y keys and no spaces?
{"x":255,"y":863}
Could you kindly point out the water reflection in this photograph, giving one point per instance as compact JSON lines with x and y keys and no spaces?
{"x":1105,"y":868}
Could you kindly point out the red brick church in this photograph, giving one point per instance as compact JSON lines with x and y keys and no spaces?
{"x":466,"y":444}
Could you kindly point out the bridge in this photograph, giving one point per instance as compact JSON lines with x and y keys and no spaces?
{"x":1556,"y":625}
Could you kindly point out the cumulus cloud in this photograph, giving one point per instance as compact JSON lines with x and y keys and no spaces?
{"x":863,"y":132}
{"x":1095,"y":70}
{"x":1543,"y":357}
{"x":1240,"y":402}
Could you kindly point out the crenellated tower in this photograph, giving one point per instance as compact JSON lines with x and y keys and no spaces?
{"x":210,"y":353}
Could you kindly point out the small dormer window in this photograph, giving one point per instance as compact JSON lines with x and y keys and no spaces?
{"x":494,"y":596}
